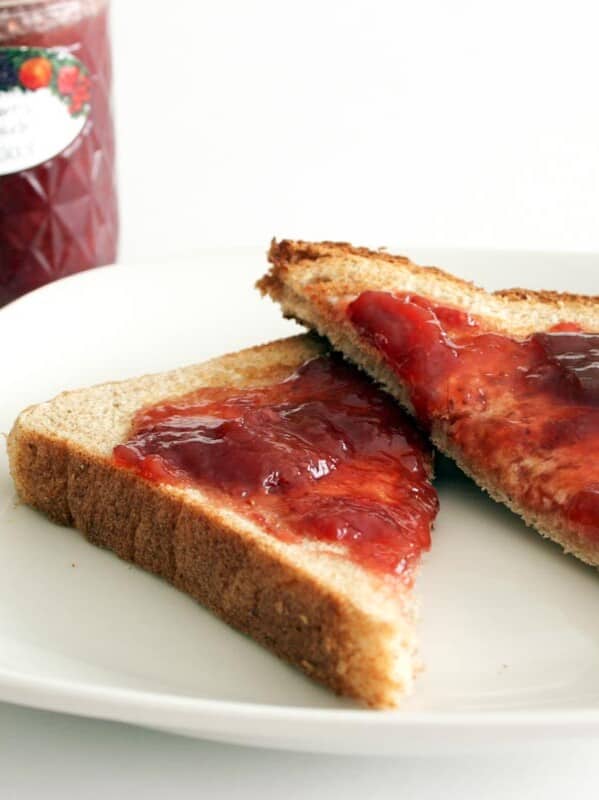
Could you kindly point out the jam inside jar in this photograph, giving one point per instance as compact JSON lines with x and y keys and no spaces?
{"x":58,"y":214}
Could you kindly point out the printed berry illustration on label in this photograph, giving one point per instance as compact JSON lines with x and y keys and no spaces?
{"x":44,"y":104}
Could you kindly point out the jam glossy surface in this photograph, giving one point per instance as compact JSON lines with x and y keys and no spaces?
{"x":322,"y":455}
{"x":60,"y":217}
{"x":528,"y":410}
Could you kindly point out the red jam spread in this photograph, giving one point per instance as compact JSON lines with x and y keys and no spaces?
{"x":58,"y":207}
{"x":527,"y":409}
{"x":322,"y":455}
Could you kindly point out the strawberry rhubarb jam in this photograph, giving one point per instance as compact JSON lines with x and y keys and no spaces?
{"x":323,"y":455}
{"x":58,"y":199}
{"x":526,"y":410}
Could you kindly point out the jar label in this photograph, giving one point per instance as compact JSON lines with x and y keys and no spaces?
{"x":44,"y":104}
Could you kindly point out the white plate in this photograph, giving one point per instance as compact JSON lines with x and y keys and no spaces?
{"x":510,"y":628}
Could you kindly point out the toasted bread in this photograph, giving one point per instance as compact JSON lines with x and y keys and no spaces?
{"x":315,"y":282}
{"x":344,"y":625}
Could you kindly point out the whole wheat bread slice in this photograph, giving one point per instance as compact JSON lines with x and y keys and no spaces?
{"x":313,"y":282}
{"x":343,"y":625}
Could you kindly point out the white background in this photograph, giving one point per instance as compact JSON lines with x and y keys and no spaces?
{"x":435,"y":123}
{"x":451,"y":123}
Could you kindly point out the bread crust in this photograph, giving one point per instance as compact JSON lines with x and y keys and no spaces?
{"x":309,"y":279}
{"x":516,"y":311}
{"x":277,"y":593}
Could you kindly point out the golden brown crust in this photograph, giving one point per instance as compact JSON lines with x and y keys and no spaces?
{"x":261,"y":586}
{"x":294,"y":252}
{"x":309,"y":281}
{"x":547,"y":297}
{"x":327,"y":269}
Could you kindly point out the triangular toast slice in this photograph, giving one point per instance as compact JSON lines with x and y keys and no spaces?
{"x":117,"y":462}
{"x":506,"y":383}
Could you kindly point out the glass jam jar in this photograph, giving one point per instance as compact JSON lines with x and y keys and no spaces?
{"x":58,"y":204}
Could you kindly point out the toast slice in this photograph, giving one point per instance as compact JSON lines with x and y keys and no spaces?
{"x":343,"y":623}
{"x":548,"y":474}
